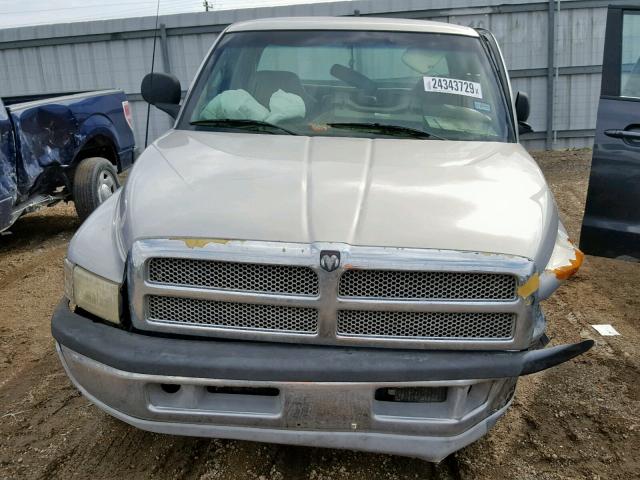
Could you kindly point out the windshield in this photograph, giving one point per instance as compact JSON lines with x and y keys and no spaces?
{"x":350,"y":83}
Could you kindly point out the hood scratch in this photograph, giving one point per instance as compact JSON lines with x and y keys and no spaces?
{"x":306,"y":190}
{"x":365,"y":185}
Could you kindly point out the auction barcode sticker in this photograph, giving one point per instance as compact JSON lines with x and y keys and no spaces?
{"x":453,"y":86}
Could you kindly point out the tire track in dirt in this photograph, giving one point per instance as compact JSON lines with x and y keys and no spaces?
{"x":28,"y":293}
{"x":21,"y":271}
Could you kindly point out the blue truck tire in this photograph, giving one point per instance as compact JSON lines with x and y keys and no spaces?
{"x":95,"y":180}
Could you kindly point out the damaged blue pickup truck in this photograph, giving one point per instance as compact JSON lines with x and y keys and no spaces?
{"x":63,"y":148}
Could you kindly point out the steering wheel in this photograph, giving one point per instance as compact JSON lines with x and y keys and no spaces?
{"x":356,"y":79}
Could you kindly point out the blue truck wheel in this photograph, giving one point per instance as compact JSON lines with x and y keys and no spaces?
{"x":94,"y":181}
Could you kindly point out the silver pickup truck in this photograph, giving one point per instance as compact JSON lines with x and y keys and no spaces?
{"x":340,"y":243}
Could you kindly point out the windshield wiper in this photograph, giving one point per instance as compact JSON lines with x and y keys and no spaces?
{"x":256,"y":125}
{"x":387,"y":129}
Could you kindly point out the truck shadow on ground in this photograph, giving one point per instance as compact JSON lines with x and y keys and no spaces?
{"x":58,"y":223}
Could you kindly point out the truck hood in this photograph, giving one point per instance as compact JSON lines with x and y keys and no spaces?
{"x":474,"y":196}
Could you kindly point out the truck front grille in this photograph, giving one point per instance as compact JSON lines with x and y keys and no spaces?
{"x":418,"y":285}
{"x":425,"y":325}
{"x":240,"y":316}
{"x":377,"y":297}
{"x":246,"y":277}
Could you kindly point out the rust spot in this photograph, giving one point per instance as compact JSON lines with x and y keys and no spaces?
{"x":201,"y":242}
{"x":530,"y":286}
{"x":564,"y":272}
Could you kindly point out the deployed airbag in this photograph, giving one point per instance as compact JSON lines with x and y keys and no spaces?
{"x":285,"y":106}
{"x":422,"y":61}
{"x":235,"y":105}
{"x":241,"y":105}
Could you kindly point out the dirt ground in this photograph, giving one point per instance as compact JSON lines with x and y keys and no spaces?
{"x":579,"y":420}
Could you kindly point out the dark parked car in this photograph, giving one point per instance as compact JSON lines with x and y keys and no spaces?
{"x":63,"y":148}
{"x":611,"y":226}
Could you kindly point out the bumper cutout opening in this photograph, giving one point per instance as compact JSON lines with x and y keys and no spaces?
{"x":412,"y":394}
{"x":261,"y":391}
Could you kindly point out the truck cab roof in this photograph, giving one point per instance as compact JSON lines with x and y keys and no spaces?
{"x":352,"y":23}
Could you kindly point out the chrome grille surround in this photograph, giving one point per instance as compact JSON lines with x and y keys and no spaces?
{"x":427,"y":285}
{"x":328,"y":303}
{"x":247,"y":277}
{"x":241,"y":316}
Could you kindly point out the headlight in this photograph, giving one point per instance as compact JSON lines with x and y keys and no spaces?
{"x":92,"y":293}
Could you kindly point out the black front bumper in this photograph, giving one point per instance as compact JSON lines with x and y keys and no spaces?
{"x":262,"y":361}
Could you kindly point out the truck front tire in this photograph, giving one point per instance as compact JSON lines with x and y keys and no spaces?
{"x":94,"y":181}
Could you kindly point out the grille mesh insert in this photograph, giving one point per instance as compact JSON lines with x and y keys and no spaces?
{"x":247,"y":277}
{"x":241,"y":316}
{"x":425,"y":324}
{"x":427,"y":285}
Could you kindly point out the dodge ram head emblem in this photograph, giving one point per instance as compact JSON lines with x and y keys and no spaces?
{"x":329,"y":260}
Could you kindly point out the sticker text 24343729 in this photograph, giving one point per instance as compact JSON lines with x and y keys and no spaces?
{"x":453,"y":86}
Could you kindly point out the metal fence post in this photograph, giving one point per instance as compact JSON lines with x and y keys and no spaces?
{"x":164,"y":47}
{"x":551,"y":60}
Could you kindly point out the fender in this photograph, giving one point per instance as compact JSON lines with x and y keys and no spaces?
{"x":98,"y":233}
{"x":96,"y":126}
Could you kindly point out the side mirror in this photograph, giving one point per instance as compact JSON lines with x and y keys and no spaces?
{"x":163,"y":91}
{"x":523,"y":108}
